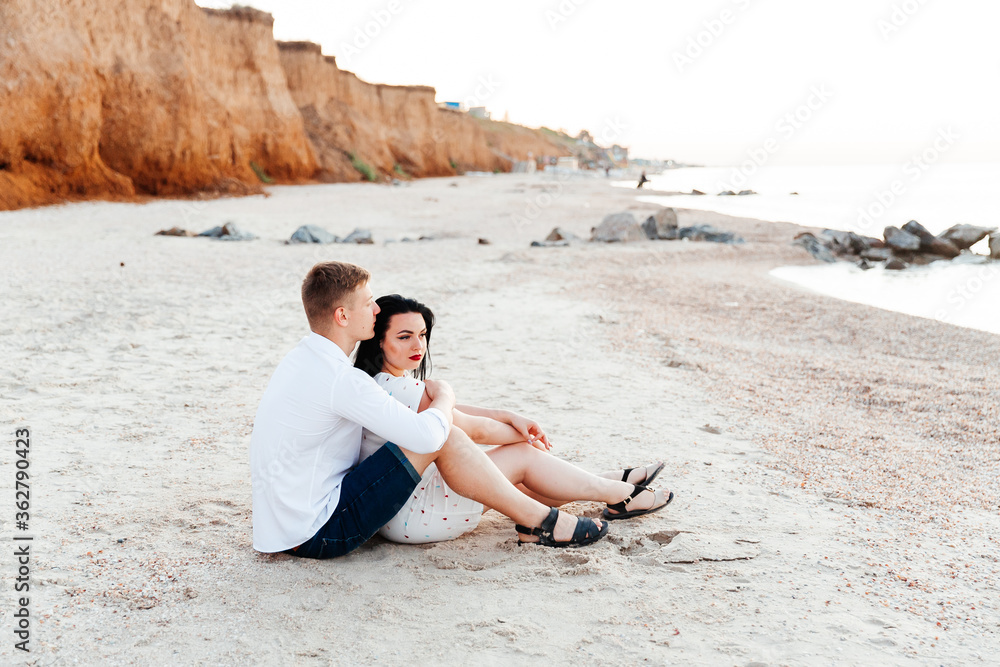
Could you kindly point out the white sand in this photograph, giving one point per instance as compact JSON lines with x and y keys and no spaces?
{"x":140,"y":383}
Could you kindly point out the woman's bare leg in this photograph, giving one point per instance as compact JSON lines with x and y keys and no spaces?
{"x":635,"y":477}
{"x":470,"y":473}
{"x":552,"y":480}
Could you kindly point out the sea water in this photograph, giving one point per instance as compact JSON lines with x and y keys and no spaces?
{"x":865,"y":199}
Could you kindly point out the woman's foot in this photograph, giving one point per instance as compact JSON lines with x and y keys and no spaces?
{"x":640,"y":501}
{"x":560,"y":529}
{"x":643,"y":475}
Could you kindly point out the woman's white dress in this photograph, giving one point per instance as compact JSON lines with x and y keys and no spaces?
{"x":434,"y":513}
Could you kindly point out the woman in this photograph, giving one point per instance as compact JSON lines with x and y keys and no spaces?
{"x":398,"y":357}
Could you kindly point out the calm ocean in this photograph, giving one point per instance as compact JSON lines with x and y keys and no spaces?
{"x":866,"y":199}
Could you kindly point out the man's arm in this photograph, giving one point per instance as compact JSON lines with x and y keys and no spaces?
{"x":363,"y":402}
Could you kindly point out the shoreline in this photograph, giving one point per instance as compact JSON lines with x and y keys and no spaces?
{"x":825,"y":455}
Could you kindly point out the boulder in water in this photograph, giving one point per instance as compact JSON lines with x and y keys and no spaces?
{"x":964,"y":237}
{"x":930,"y":243}
{"x":898,"y":239}
{"x":814,"y":247}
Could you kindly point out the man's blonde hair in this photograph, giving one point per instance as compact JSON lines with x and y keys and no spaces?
{"x":327,"y":287}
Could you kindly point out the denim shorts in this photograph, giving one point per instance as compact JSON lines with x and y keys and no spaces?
{"x":370,"y":495}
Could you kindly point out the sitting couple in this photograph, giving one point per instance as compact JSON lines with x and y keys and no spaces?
{"x":337,"y":455}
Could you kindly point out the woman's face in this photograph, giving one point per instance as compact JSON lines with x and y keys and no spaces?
{"x":405,"y":343}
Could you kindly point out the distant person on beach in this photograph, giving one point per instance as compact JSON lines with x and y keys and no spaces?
{"x":398,"y":357}
{"x":312,"y":496}
{"x":642,"y":181}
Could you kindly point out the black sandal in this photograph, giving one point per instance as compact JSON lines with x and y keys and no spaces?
{"x":586,"y":532}
{"x":649,"y":476}
{"x":621,"y":509}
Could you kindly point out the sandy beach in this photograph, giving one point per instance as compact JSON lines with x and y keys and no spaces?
{"x":835,"y":465}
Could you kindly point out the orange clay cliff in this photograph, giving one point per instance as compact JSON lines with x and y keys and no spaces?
{"x":124,"y":98}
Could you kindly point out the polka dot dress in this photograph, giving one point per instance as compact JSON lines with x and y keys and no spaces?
{"x":433,"y":513}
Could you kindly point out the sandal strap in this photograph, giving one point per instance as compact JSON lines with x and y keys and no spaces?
{"x":584,"y":526}
{"x":548,"y":525}
{"x":628,"y":471}
{"x":623,"y":505}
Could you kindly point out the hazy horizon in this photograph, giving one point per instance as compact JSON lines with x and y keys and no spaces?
{"x":858,"y":82}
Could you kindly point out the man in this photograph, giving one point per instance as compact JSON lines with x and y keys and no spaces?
{"x":311,"y":497}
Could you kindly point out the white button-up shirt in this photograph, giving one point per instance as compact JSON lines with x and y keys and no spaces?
{"x":307,"y":436}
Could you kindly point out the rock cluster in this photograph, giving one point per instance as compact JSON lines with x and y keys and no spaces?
{"x":316,"y":234}
{"x":898,"y":248}
{"x":623,"y":228}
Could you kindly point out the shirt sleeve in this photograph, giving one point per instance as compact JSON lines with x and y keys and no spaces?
{"x":358,"y":398}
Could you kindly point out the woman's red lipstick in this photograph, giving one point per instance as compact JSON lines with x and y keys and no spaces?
{"x":416,"y":357}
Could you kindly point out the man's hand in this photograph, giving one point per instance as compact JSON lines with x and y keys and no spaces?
{"x":531,"y":431}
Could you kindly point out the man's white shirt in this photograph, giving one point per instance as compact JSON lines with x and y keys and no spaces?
{"x":307,"y":436}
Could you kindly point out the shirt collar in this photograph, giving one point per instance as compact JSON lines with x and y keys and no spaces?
{"x":326,"y":347}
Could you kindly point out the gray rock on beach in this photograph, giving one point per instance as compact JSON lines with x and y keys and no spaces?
{"x":964,"y":237}
{"x":661,"y":225}
{"x":930,"y":243}
{"x":814,"y":247}
{"x":562,"y":234}
{"x":899,"y":240}
{"x":895,"y":264}
{"x":708,"y":233}
{"x":847,"y":243}
{"x":877,"y":254}
{"x":359,"y":236}
{"x":175,"y":231}
{"x":312,"y":234}
{"x":618,"y":228}
{"x":995,"y":245}
{"x":228,"y":232}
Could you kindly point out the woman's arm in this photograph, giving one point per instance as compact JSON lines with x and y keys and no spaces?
{"x":486,"y":431}
{"x":529,"y":429}
{"x":481,"y":427}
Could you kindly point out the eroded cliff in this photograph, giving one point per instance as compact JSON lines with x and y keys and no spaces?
{"x":120,"y":98}
{"x":395,"y":129}
{"x":110,"y":99}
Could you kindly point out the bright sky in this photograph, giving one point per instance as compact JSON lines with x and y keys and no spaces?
{"x":697,"y":82}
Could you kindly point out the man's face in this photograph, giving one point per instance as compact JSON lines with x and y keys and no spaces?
{"x":361,"y":311}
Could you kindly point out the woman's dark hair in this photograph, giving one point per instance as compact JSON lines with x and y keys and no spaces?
{"x":369,"y":355}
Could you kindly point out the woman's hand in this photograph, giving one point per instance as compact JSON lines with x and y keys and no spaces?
{"x":531,"y":431}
